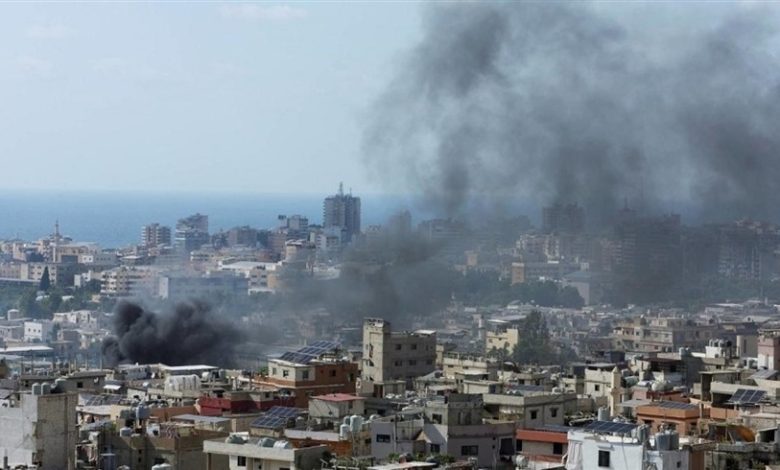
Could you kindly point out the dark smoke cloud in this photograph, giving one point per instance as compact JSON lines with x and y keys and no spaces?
{"x":560,"y":101}
{"x":188,"y":334}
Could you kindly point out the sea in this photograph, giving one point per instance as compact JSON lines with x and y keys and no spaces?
{"x":114,"y":218}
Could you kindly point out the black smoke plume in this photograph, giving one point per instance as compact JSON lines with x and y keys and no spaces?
{"x":187,"y":334}
{"x":577,"y":102}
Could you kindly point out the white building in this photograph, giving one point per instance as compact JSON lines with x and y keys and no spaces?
{"x":38,"y":331}
{"x":590,"y":450}
{"x":245,"y":453}
{"x":40,"y":429}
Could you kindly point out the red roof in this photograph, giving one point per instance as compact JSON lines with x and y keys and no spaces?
{"x":541,"y":436}
{"x":338,"y":397}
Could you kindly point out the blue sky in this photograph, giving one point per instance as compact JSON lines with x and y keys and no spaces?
{"x":263,"y":97}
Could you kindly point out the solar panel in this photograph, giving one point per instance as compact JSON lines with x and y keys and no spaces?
{"x":765,"y":374}
{"x":674,"y":405}
{"x":744,"y":396}
{"x":610,"y":427}
{"x":270,"y":422}
{"x":325,"y":345}
{"x":284,"y":411}
{"x":297,"y":357}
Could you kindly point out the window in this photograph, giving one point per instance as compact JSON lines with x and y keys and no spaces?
{"x":435,"y":449}
{"x":597,"y":387}
{"x":397,"y":347}
{"x":429,"y":361}
{"x":604,"y":458}
{"x":414,"y":347}
{"x":383,"y":437}
{"x":398,"y":363}
{"x":305,"y":375}
{"x":519,"y":445}
{"x":553,"y":412}
{"x":285,"y":373}
{"x":469,"y":450}
{"x":273,"y":371}
{"x":241,"y":461}
{"x":412,"y":362}
{"x":533,"y":414}
{"x":333,"y":373}
{"x":436,"y":418}
{"x":557,"y":448}
{"x":79,"y":384}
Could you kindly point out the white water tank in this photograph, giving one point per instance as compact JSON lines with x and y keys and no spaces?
{"x":162,"y":466}
{"x":603,"y":413}
{"x":36,"y":389}
{"x":355,"y":423}
{"x":344,"y":431}
{"x":126,"y":432}
{"x":281,"y":444}
{"x":266,"y":442}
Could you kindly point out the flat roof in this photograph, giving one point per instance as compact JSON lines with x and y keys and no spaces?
{"x":201,"y":367}
{"x":200,"y":418}
{"x":24,"y":349}
{"x":338,"y":397}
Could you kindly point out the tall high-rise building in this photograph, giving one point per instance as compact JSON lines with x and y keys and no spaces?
{"x":560,"y":218}
{"x":342,"y":210}
{"x":155,"y":235}
{"x":192,"y":232}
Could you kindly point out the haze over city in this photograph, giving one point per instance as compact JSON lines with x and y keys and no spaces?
{"x":389,"y":235}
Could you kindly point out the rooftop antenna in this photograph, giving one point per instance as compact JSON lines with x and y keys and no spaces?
{"x":341,"y":188}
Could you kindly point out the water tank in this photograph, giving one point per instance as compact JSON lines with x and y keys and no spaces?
{"x":126,"y":432}
{"x":61,"y":385}
{"x":142,"y":411}
{"x":344,"y":431}
{"x":235,"y":439}
{"x":266,"y":442}
{"x":373,"y":417}
{"x":280,"y":444}
{"x":162,"y":466}
{"x":13,"y":314}
{"x":36,"y":389}
{"x":205,"y":376}
{"x":643,"y":433}
{"x":346,"y":420}
{"x":603,"y":413}
{"x":300,"y":422}
{"x":667,"y":440}
{"x":355,"y":423}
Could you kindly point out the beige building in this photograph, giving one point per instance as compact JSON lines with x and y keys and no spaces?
{"x":395,"y":356}
{"x":665,"y":334}
{"x":126,"y":281}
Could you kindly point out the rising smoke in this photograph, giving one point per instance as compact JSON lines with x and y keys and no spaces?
{"x":564,"y":101}
{"x":188,"y":334}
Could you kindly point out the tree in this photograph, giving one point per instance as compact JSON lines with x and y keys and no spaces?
{"x":45,"y":284}
{"x":534,"y":346}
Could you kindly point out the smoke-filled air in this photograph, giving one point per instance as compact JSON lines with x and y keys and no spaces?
{"x":562,"y":102}
{"x":187,"y":334}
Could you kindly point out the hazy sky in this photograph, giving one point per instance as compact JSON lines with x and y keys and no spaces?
{"x":263,"y":97}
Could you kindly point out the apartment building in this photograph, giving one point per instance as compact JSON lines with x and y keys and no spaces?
{"x":395,"y":356}
{"x":663,"y":334}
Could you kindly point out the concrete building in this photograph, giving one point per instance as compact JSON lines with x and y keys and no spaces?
{"x":769,"y":349}
{"x":38,"y":331}
{"x":590,"y":450}
{"x":39,"y":428}
{"x":342,"y":210}
{"x":333,"y":407}
{"x":395,"y":356}
{"x":155,"y":235}
{"x":455,"y":426}
{"x":182,"y":287}
{"x":126,"y":281}
{"x":524,"y":271}
{"x":191,"y":233}
{"x":249,"y":453}
{"x":533,"y":409}
{"x":563,"y":218}
{"x":303,"y":375}
{"x":664,"y":334}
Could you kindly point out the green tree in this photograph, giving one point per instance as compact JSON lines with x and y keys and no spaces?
{"x":534,"y":346}
{"x":45,"y":284}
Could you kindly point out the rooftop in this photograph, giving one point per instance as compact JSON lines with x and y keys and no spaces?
{"x":338,"y":397}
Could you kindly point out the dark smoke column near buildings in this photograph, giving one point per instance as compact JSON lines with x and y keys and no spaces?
{"x":187,"y":334}
{"x":559,"y":101}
